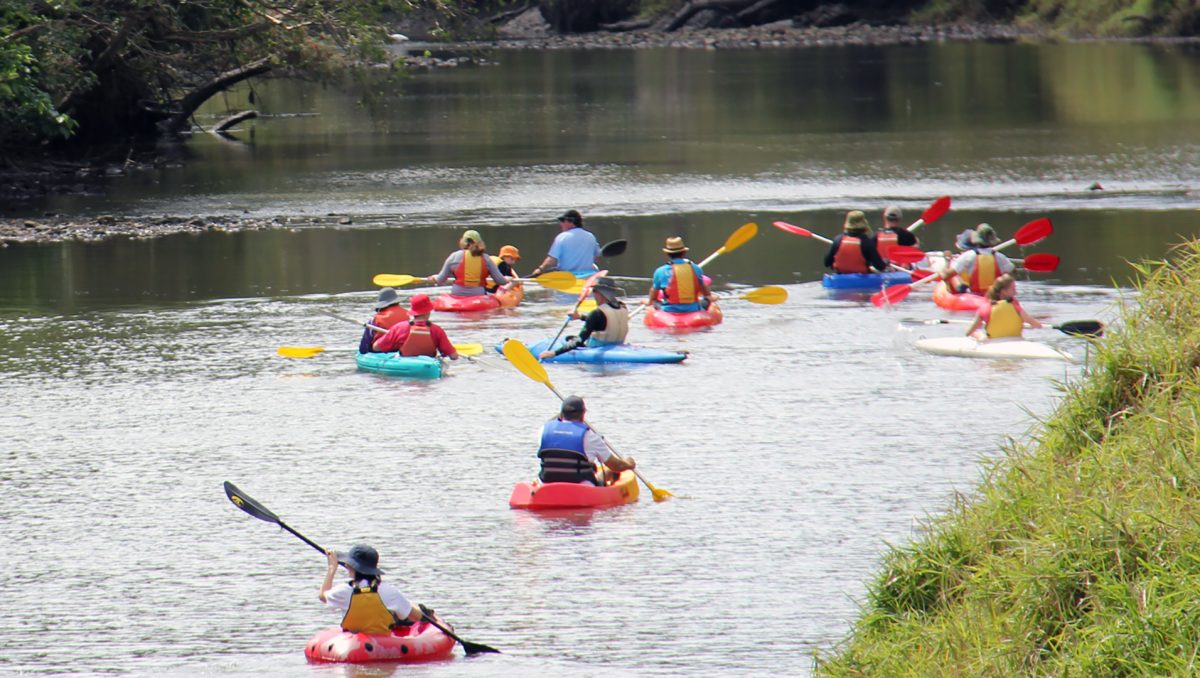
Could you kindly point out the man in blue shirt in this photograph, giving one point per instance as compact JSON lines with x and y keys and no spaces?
{"x":575,"y":250}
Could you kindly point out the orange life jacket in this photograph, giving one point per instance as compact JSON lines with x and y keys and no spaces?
{"x":392,"y":315}
{"x":849,"y":257}
{"x":885,"y":241}
{"x":984,"y":273}
{"x":471,"y":271}
{"x":684,"y":287}
{"x":419,"y":341}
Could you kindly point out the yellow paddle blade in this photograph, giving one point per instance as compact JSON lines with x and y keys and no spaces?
{"x":525,"y":362}
{"x":393,"y":280}
{"x":587,"y":306}
{"x":299,"y":351}
{"x":469,"y":349}
{"x":658,"y":493}
{"x":576,"y":288}
{"x":771,"y":294}
{"x":740,"y":237}
{"x":557,"y":280}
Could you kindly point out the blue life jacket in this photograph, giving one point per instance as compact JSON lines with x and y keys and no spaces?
{"x":562,"y":455}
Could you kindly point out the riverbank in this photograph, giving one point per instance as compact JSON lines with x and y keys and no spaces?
{"x":1077,"y":555}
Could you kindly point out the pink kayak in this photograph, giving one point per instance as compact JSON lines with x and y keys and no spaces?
{"x":538,"y":495}
{"x":683,"y":322}
{"x":483,"y":302}
{"x":965,"y":302}
{"x":421,"y":642}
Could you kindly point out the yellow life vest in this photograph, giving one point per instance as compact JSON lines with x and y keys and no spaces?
{"x":367,"y":613}
{"x":1004,"y":321}
{"x":471,"y":271}
{"x":491,"y":284}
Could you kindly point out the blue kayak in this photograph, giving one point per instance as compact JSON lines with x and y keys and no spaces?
{"x":865,"y":281}
{"x":396,"y":365}
{"x":613,"y":353}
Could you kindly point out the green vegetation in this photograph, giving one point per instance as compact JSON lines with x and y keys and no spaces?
{"x":1104,"y":18}
{"x":1079,"y":556}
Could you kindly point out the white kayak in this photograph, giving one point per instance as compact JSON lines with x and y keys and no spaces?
{"x":1010,"y":348}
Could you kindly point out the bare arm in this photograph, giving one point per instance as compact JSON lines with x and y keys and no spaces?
{"x":975,"y":324}
{"x":331,"y":557}
{"x":548,"y":264}
{"x":1029,"y":320}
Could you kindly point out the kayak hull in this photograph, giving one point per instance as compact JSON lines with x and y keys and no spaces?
{"x":1014,"y":348}
{"x":448,"y":303}
{"x":537,"y":495}
{"x":604,"y":355}
{"x":683,"y":322}
{"x":396,"y":365}
{"x":965,"y":302}
{"x":865,"y":281}
{"x":421,"y":642}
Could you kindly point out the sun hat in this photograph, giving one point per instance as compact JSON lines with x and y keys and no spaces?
{"x":856,"y":222}
{"x":362,"y":559}
{"x":472,"y":236}
{"x":608,"y":287}
{"x":572,"y":405}
{"x":420,"y":305}
{"x":387,"y":297}
{"x":892,"y":213}
{"x":572,"y":216}
{"x":984,"y":236}
{"x":510,"y":251}
{"x":675,"y":245}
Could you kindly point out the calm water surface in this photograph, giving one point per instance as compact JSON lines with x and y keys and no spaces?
{"x":136,"y":376}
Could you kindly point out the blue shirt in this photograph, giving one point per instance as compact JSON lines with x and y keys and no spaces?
{"x":576,"y":250}
{"x":662,"y":279}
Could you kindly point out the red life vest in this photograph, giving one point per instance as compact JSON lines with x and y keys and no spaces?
{"x":849,"y":257}
{"x":984,"y":273}
{"x":684,"y":287}
{"x":392,"y":315}
{"x":471,"y":271}
{"x":419,"y":341}
{"x":885,"y":241}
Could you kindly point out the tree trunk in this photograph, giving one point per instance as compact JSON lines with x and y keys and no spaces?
{"x":197,"y":97}
{"x":687,"y":11}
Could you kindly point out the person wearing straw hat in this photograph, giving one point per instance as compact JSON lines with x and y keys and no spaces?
{"x":678,"y":286}
{"x":853,"y":250}
{"x":504,"y":261}
{"x":571,"y":452}
{"x":574,"y":250}
{"x":608,"y":323}
{"x":469,"y":266}
{"x":418,"y":336}
{"x":892,"y":233}
{"x":977,"y":268}
{"x":370,"y":605}
{"x":388,"y":312}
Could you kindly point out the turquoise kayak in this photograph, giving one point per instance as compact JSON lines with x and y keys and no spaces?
{"x":396,"y":365}
{"x":613,"y":353}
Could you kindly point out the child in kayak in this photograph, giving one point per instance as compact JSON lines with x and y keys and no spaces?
{"x":370,"y":605}
{"x":509,"y":255}
{"x":1003,"y":315}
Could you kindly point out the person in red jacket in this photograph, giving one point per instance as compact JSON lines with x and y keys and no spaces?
{"x":418,"y":336}
{"x":388,"y":312}
{"x":854,"y":250}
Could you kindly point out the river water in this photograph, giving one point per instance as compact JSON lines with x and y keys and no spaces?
{"x":137,"y":376}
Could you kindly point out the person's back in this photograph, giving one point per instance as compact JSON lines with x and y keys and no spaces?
{"x":562,"y":453}
{"x":678,"y":285}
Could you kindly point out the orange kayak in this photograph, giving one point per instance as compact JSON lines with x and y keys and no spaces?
{"x":538,"y":495}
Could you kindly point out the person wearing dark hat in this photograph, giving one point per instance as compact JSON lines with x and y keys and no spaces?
{"x":370,"y":604}
{"x":571,"y":452}
{"x":678,"y":286}
{"x":470,"y":267}
{"x":977,"y":268}
{"x":892,"y":233}
{"x":574,"y":250}
{"x":853,"y":250}
{"x":388,"y":312}
{"x":607,"y":324}
{"x":418,"y":336}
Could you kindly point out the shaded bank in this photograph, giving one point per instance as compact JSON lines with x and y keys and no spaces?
{"x":1077,"y":556}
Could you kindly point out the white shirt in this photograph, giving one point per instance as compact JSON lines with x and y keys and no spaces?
{"x":339,"y":598}
{"x":595,"y":448}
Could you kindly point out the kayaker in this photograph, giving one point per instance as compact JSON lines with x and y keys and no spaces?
{"x":575,"y":249}
{"x":1002,"y":316}
{"x":976,"y":269}
{"x":470,"y":267}
{"x":853,"y":250}
{"x":418,"y":336}
{"x":608,"y":323}
{"x":678,"y":286}
{"x":892,"y":233}
{"x":388,"y":312}
{"x":370,"y":604}
{"x":571,"y":452}
{"x":508,"y":256}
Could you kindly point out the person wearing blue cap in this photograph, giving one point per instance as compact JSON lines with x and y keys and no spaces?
{"x":370,"y":604}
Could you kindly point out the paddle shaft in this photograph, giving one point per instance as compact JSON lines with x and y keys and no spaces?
{"x":587,"y":288}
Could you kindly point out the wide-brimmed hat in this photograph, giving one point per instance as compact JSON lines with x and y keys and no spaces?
{"x":608,"y":287}
{"x":572,"y":216}
{"x":510,"y":251}
{"x":420,"y":305}
{"x":856,"y":222}
{"x":572,"y":405}
{"x":892,"y":213}
{"x":387,"y":297}
{"x":362,"y":559}
{"x":675,"y":245}
{"x":470,"y":236}
{"x":984,"y":236}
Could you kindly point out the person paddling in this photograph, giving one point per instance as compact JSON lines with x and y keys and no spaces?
{"x":575,"y":249}
{"x":571,"y":452}
{"x":388,"y":312}
{"x":418,"y":336}
{"x":678,"y":286}
{"x":508,"y":256}
{"x":892,"y":233}
{"x":370,"y":604}
{"x":470,"y":266}
{"x":1002,"y":316}
{"x":607,"y":324}
{"x":979,"y":266}
{"x":853,"y":250}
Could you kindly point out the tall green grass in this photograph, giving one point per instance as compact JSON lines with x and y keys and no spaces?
{"x":1079,"y":555}
{"x":1106,"y":18}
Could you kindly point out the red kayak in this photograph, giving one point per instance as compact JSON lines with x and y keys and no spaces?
{"x":421,"y":642}
{"x":683,"y":322}
{"x":482,"y":302}
{"x":965,"y":302}
{"x":538,"y":495}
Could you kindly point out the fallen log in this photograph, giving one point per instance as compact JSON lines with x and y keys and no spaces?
{"x":235,"y":119}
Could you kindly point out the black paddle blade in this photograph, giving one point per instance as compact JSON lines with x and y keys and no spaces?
{"x":614,"y":248}
{"x":476,"y":648}
{"x":1082,"y":328}
{"x":247,"y":504}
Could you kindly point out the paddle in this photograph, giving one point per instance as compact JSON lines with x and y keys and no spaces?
{"x":528,"y":365}
{"x":555,"y":280}
{"x":785,"y":226}
{"x":932,"y":213}
{"x":1034,"y":231}
{"x":900,"y":254}
{"x":1075,"y":328}
{"x":469,"y":347}
{"x":249,"y":505}
{"x":465,"y":350}
{"x":1040,"y":262}
{"x":583,"y":294}
{"x":614,"y":248}
{"x":771,"y":294}
{"x":738,"y":238}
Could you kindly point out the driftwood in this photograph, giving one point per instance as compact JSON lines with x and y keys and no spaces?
{"x":687,"y":11}
{"x":188,"y":105}
{"x":744,"y":16}
{"x":235,"y":119}
{"x":508,"y":14}
{"x":622,"y":26}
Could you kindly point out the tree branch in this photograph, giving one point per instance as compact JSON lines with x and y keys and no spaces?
{"x":204,"y":92}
